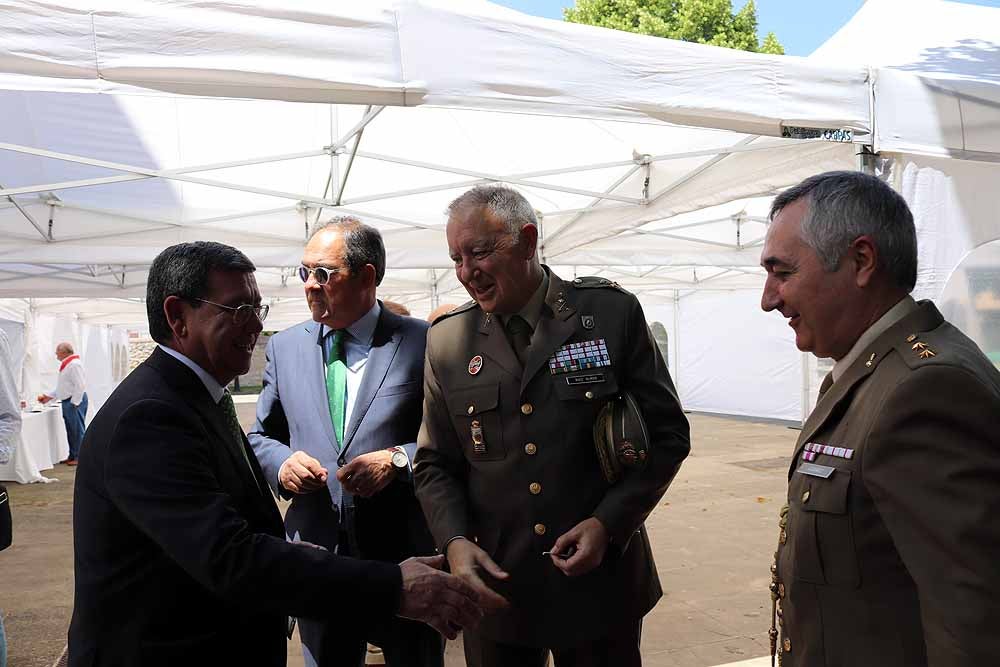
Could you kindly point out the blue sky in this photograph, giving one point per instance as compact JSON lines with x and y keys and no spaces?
{"x":798,"y":30}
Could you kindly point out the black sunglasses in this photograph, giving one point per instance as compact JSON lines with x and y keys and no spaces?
{"x":322,"y":273}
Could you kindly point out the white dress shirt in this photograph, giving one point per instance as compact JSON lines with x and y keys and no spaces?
{"x":71,"y":384}
{"x":215,"y":390}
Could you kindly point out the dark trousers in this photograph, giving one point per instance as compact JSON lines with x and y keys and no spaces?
{"x":73,"y":416}
{"x":618,"y":649}
{"x":341,"y":642}
{"x":336,"y":643}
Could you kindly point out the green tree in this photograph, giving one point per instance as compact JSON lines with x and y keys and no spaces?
{"x":702,"y":21}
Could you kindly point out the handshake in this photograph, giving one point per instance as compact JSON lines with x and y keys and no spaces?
{"x":443,"y":601}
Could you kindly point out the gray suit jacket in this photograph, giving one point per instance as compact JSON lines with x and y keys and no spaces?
{"x":293,"y":414}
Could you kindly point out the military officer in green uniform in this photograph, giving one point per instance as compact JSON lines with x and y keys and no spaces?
{"x":888,"y":548}
{"x":506,"y":469}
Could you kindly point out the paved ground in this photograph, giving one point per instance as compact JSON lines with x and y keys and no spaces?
{"x":713,"y":536}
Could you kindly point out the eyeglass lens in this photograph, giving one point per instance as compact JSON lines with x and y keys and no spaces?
{"x":322,"y":274}
{"x":242,"y":314}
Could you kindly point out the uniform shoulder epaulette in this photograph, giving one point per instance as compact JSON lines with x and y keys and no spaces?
{"x":590,"y":282}
{"x":919,"y":349}
{"x":469,"y":305}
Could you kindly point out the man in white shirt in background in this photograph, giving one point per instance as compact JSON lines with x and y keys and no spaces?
{"x":71,"y":389}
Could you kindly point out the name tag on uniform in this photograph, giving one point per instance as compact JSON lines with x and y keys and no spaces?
{"x":589,"y":378}
{"x":815,"y":470}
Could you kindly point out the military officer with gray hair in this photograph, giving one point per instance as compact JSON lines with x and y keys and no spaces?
{"x":514,"y":489}
{"x":887,"y":549}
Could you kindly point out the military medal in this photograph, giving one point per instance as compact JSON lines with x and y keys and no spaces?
{"x":813,"y":449}
{"x":475,"y":364}
{"x":585,"y":355}
{"x":478,"y":442}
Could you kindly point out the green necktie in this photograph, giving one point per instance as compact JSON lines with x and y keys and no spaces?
{"x":229,"y":409}
{"x":336,"y":384}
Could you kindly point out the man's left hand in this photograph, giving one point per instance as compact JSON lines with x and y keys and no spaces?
{"x":587,"y":541}
{"x":367,"y":474}
{"x":43,"y":398}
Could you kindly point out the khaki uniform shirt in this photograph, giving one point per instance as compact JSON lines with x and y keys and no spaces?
{"x":534,"y":473}
{"x":888,"y":555}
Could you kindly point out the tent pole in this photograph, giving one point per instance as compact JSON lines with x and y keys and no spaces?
{"x":677,"y":344}
{"x":350,"y":161}
{"x":866,"y":159}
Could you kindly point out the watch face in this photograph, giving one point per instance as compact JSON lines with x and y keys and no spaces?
{"x":399,"y":459}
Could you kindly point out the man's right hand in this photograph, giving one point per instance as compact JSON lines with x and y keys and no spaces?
{"x":465,"y":559}
{"x":301,"y":473}
{"x":442,"y":601}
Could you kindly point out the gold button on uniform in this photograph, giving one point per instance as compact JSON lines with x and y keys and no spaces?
{"x":539,"y":529}
{"x":527,"y":409}
{"x":589,"y":394}
{"x":805,"y":496}
{"x":535,"y":488}
{"x":471,"y":409}
{"x":784,"y":536}
{"x":530,"y":449}
{"x":787,"y":645}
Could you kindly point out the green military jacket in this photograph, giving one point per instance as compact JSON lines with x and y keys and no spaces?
{"x":507,"y":457}
{"x":888,"y":556}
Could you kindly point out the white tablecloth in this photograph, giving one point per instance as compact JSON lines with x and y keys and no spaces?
{"x":43,"y":444}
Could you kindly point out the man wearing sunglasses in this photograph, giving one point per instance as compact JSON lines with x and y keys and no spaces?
{"x":336,"y":430}
{"x":179,"y":550}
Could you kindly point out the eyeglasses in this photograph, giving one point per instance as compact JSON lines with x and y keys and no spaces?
{"x":241,"y":314}
{"x":322,"y":273}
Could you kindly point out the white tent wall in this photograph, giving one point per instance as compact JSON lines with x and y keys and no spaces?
{"x":733,"y":357}
{"x":102,"y":348}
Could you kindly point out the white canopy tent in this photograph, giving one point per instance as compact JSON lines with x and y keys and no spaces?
{"x":650,"y":161}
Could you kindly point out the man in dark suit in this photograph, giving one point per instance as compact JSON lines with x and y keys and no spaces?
{"x":506,"y":467}
{"x":180,"y":557}
{"x":887,"y":548}
{"x":343,"y":393}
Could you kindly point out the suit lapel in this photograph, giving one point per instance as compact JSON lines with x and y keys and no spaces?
{"x":496,"y":346}
{"x":554,"y":328}
{"x":194,"y":393}
{"x":315,"y":381}
{"x":385,"y":342}
{"x":837,"y":397}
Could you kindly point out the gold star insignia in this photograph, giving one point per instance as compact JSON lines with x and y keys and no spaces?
{"x":919,"y":346}
{"x":926,"y":353}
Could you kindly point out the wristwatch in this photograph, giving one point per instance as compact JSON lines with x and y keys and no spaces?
{"x":399,"y":459}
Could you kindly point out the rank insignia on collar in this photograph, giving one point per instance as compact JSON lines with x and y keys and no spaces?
{"x":580,"y":356}
{"x":587,"y":321}
{"x":922,"y":350}
{"x":475,"y":364}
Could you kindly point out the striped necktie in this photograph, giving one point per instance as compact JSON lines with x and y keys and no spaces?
{"x":233,"y":422}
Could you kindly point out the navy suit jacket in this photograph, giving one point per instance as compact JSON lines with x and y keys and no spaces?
{"x":293,"y":414}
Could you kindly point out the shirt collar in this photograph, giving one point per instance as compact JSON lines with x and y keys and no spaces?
{"x":532,"y":311}
{"x":215,"y":390}
{"x":905,"y":306}
{"x":363,"y":328}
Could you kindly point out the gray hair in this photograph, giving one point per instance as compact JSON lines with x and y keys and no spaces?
{"x":362,"y":243}
{"x":506,"y":204}
{"x":843,"y":205}
{"x":65,"y":347}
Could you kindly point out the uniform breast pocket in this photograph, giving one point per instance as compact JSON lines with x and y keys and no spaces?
{"x":476,"y":415}
{"x":822,"y":535}
{"x":590,"y":386}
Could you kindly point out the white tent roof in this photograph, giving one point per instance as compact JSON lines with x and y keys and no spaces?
{"x":937,"y":74}
{"x":585,"y":121}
